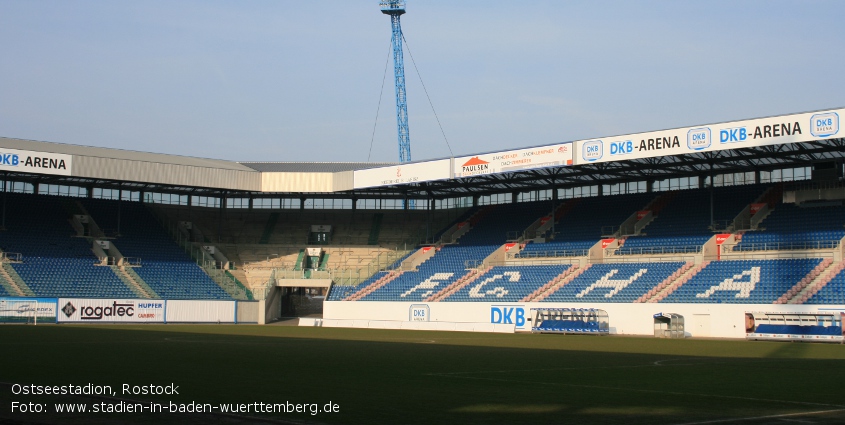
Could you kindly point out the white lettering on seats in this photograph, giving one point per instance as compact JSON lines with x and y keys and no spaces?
{"x":429,"y":284}
{"x":498,"y":291}
{"x":616,"y":284}
{"x":731,"y":284}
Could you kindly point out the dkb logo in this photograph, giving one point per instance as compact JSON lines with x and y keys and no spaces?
{"x":507,"y":315}
{"x":592,"y":151}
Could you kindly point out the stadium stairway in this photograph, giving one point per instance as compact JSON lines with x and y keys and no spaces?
{"x":664,"y":286}
{"x":460,"y":228}
{"x":135,"y":283}
{"x":12,"y":283}
{"x":812,"y":278}
{"x":471,"y":276}
{"x":818,"y":285}
{"x":380,"y":282}
{"x":543,"y":225}
{"x":268,"y":228}
{"x":556,"y":283}
{"x":375,"y":229}
{"x":832,"y":291}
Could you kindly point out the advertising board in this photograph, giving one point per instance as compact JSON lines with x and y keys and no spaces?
{"x":94,"y":310}
{"x":417,"y":172}
{"x":731,"y":135}
{"x":18,"y":309}
{"x":514,"y":160}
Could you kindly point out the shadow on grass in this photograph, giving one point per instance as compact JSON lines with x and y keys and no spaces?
{"x":418,"y":377}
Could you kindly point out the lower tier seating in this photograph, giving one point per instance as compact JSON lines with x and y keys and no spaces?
{"x":507,"y":284}
{"x":832,"y":293}
{"x":743,"y":281}
{"x":445,"y":267}
{"x":614,"y":283}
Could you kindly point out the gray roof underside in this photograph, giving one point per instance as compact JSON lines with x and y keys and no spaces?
{"x":312,"y":167}
{"x":32,"y":145}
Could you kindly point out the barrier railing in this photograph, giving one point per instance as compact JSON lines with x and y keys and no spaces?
{"x":547,"y":254}
{"x":11,"y":257}
{"x":105,"y":261}
{"x":653,"y":250}
{"x":132,"y":261}
{"x":786,"y":246}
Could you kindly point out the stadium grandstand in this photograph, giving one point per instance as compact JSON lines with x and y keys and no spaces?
{"x":711,"y":222}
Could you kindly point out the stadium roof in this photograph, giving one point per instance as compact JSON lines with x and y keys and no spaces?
{"x":312,"y":167}
{"x":763,"y":144}
{"x":90,"y":151}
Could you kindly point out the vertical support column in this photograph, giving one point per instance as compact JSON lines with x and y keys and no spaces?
{"x":5,"y":190}
{"x":119,"y":202}
{"x":554,"y":208}
{"x":429,"y":219}
{"x":222,"y":210}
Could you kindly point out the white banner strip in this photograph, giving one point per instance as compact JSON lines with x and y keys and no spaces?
{"x":35,"y":162}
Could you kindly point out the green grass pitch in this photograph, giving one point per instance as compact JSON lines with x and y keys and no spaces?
{"x":416,"y":377}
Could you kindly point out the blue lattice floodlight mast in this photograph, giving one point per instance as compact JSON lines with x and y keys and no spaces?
{"x":395,"y":8}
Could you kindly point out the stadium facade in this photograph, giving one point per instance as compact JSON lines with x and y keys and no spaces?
{"x":737,"y":227}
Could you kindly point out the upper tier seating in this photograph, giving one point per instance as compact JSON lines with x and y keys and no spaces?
{"x":166,"y":268}
{"x":580,"y":228}
{"x":614,"y":283}
{"x":743,"y":281}
{"x":55,"y":263}
{"x":792,"y":226}
{"x":684,"y":224}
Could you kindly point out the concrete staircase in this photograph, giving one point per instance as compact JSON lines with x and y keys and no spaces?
{"x":556,"y":283}
{"x":817,"y":283}
{"x":384,"y":280}
{"x":663,"y":286}
{"x":134,"y":282}
{"x":471,"y":276}
{"x":679,"y":281}
{"x":12,"y":282}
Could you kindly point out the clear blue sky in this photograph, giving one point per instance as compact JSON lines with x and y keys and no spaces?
{"x":299,"y":80}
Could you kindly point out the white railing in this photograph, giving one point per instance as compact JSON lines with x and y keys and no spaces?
{"x":786,"y":246}
{"x":655,"y":250}
{"x":11,"y":257}
{"x":546,"y":254}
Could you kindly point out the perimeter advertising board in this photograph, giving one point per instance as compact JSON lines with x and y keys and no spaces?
{"x":35,"y":162}
{"x":732,"y":135}
{"x":13,"y":309}
{"x":403,"y":174}
{"x":96,"y":310}
{"x":521,"y":159}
